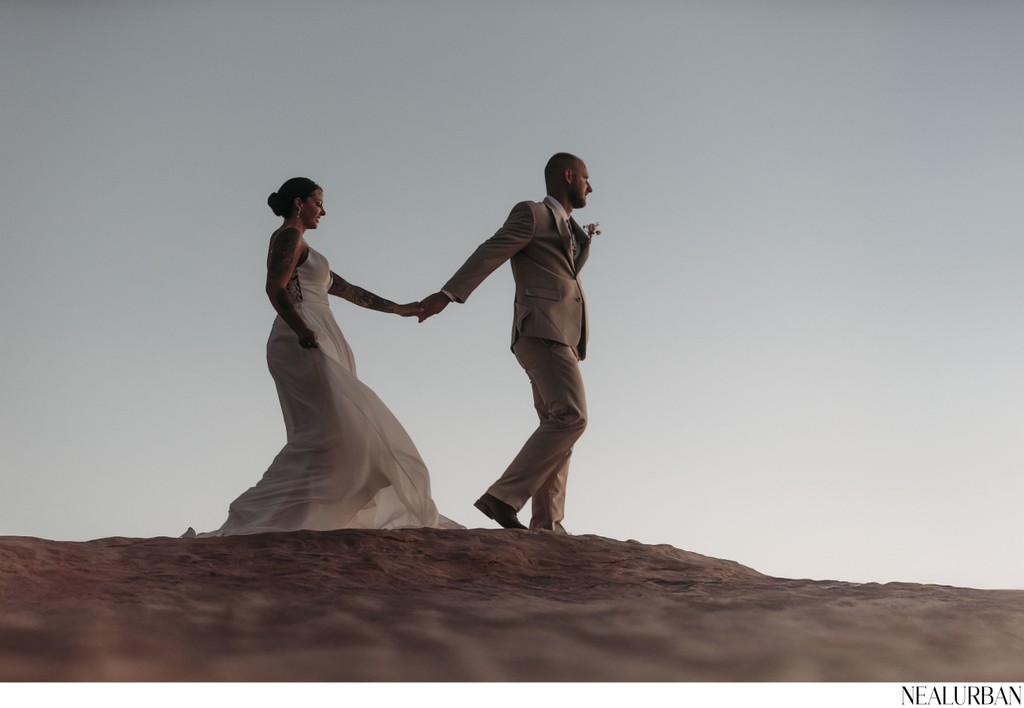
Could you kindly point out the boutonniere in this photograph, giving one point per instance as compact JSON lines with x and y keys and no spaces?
{"x":592,"y":229}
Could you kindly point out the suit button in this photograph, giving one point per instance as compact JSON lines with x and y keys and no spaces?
{"x":577,"y":299}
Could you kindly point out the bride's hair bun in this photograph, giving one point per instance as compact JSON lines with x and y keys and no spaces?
{"x":274,"y":202}
{"x":280,"y":202}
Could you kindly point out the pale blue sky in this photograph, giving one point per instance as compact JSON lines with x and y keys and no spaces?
{"x":807,"y":342}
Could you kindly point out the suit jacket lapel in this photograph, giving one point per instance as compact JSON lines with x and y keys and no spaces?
{"x":573,"y":237}
{"x":563,"y":228}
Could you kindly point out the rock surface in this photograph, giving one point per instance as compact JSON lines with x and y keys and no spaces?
{"x":476,"y":605}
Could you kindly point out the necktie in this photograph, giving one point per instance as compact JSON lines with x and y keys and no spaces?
{"x":572,"y":239}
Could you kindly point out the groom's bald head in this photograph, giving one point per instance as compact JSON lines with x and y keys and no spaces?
{"x":568,"y":181}
{"x":554,"y":171}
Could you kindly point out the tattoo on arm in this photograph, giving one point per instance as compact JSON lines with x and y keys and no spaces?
{"x":281,"y":263}
{"x":282,"y":253}
{"x":359,"y":296}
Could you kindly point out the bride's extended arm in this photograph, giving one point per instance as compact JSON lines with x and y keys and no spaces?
{"x":364,"y":298}
{"x":285,"y":252}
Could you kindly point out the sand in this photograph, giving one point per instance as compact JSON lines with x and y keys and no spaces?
{"x":473,"y":605}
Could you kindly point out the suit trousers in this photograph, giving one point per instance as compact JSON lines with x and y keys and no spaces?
{"x":541,"y":468}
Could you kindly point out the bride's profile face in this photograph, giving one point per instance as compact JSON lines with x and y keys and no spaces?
{"x":313,"y":209}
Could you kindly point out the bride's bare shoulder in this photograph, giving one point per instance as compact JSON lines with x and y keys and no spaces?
{"x":287,"y":246}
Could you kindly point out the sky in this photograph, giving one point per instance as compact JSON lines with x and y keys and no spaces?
{"x":806,"y":352}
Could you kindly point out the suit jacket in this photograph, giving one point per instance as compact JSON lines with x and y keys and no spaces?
{"x":549,"y":298}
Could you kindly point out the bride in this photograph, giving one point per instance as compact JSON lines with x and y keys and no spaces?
{"x":348,"y":462}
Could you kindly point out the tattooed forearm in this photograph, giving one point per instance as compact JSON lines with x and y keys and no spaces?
{"x":282,"y":285}
{"x":359,"y":296}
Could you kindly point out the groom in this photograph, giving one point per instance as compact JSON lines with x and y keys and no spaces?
{"x":549,"y":337}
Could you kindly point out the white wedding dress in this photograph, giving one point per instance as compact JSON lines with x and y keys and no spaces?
{"x":348,"y":462}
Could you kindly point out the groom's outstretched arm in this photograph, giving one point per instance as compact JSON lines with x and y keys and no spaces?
{"x":512,"y":237}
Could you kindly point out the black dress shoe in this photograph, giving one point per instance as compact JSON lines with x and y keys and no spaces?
{"x":494,"y":508}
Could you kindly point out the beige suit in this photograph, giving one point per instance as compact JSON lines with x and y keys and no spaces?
{"x":549,"y":338}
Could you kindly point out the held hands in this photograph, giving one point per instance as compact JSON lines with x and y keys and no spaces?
{"x":433,"y":304}
{"x":411,"y":309}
